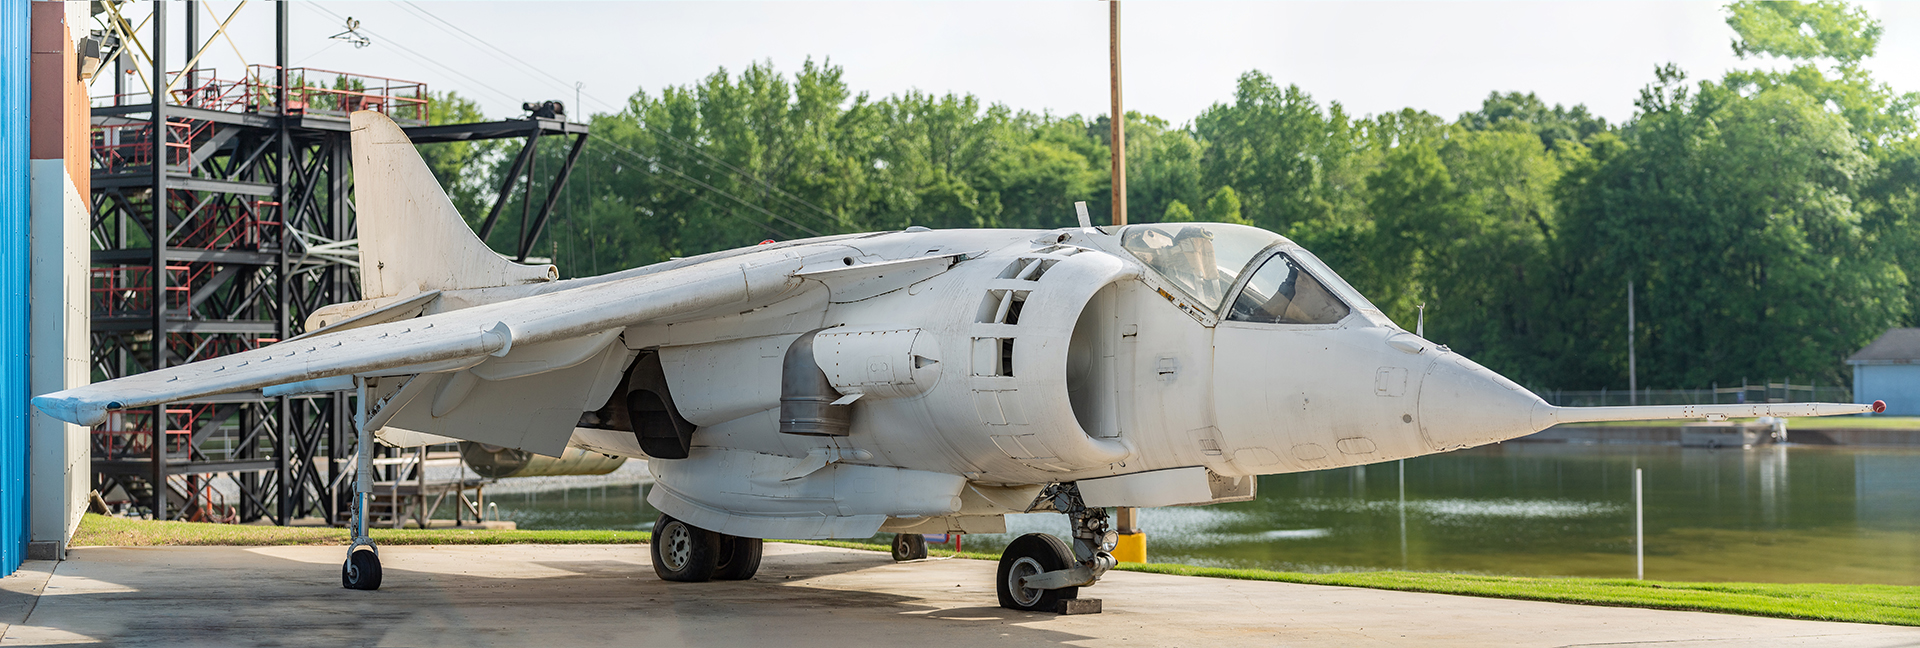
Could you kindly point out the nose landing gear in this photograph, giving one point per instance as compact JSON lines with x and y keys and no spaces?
{"x":1039,"y":572}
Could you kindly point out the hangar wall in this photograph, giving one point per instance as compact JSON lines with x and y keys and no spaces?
{"x":57,"y":466}
{"x":15,"y":25}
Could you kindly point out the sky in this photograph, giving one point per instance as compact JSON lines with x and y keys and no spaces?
{"x":1179,"y":57}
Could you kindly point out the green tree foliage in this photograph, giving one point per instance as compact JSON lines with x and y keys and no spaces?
{"x":460,"y":166}
{"x":1734,"y":216}
{"x":1810,"y":33}
{"x":1770,"y":219}
{"x":1527,"y":113}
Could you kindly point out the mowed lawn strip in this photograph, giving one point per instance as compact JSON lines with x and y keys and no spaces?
{"x":101,"y":530}
{"x":1890,"y":604}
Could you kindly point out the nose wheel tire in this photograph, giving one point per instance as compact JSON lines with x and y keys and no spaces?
{"x":1030,"y":555}
{"x":361,"y":571}
{"x":683,"y":552}
{"x":909,"y":546}
{"x":739,"y":558}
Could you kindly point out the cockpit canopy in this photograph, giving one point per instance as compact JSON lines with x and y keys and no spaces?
{"x":1206,"y":260}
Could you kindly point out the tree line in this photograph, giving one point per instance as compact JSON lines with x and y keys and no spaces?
{"x":1767,"y":219}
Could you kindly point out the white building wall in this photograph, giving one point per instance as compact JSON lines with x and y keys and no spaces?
{"x":58,"y":452}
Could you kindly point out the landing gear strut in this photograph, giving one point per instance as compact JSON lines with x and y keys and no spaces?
{"x":362,"y":569}
{"x":1039,"y":572}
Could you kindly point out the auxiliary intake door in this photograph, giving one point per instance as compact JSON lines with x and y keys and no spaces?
{"x":643,"y":404}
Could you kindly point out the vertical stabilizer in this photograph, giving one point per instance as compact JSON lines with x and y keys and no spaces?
{"x":411,"y":238}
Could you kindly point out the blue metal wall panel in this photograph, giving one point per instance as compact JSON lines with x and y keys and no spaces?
{"x":1898,"y":385}
{"x":15,"y":59}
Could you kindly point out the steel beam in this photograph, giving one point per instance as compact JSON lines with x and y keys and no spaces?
{"x":513,"y":178}
{"x":158,"y":234}
{"x":553,"y":195}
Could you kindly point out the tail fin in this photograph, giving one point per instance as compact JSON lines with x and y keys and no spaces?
{"x":411,"y":238}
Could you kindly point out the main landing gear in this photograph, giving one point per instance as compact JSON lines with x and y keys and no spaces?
{"x":1039,"y":572}
{"x":689,"y":554}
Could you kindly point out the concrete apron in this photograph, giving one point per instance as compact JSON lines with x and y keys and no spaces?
{"x":596,"y":595}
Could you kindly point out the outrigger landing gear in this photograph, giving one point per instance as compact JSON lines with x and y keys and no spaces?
{"x":363,"y":558}
{"x":362,"y":569}
{"x":1039,"y":572}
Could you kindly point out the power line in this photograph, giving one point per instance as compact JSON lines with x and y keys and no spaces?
{"x":496,"y":51}
{"x":641,"y":157}
{"x":729,"y":211}
{"x":832,"y":221}
{"x":416,"y":55}
{"x":638,"y":156}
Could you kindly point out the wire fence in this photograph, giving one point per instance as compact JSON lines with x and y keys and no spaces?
{"x":1769,"y":392}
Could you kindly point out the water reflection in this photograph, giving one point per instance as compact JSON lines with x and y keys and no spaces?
{"x":1779,"y":514}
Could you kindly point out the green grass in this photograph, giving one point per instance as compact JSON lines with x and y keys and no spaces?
{"x":1890,"y":604}
{"x":1853,"y":422}
{"x":101,"y":530}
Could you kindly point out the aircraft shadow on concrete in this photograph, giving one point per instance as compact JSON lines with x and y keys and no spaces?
{"x":256,"y":599}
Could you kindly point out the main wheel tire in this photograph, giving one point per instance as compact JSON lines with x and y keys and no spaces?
{"x":683,"y":552}
{"x":1029,"y":555}
{"x":739,"y":558}
{"x":909,"y":546}
{"x":361,"y":571}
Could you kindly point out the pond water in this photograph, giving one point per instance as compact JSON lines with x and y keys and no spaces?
{"x":1767,"y":514}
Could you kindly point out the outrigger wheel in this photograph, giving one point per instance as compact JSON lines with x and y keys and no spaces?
{"x":909,"y":546}
{"x":362,"y":569}
{"x":1031,"y":555}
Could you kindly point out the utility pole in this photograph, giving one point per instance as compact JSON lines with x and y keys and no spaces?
{"x":1117,"y":118}
{"x":1131,"y":541}
{"x":1633,"y":367}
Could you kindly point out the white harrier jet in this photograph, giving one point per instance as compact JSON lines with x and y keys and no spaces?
{"x":917,"y":381}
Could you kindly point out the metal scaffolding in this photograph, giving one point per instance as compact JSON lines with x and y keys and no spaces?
{"x":220,"y":231}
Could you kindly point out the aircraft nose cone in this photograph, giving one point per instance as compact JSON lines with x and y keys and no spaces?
{"x":1463,"y":404}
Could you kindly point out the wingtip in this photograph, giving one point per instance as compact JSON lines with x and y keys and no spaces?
{"x":72,"y":410}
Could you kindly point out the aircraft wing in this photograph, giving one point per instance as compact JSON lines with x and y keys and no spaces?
{"x":450,"y":340}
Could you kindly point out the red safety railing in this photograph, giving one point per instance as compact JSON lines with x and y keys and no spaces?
{"x":129,"y":433}
{"x":128,"y":290}
{"x":119,"y":147}
{"x":205,"y":89}
{"x":308,"y":91}
{"x":251,"y":225}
